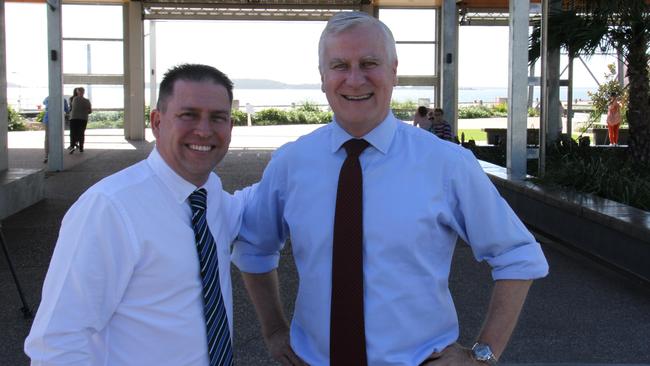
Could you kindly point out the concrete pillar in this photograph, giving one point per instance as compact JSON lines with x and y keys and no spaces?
{"x":153,"y":88}
{"x":449,"y":62}
{"x":4,"y":120}
{"x":133,"y":71}
{"x":553,"y":118}
{"x":55,"y":94}
{"x":517,"y":89}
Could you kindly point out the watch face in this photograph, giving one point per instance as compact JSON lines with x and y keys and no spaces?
{"x":482,"y":352}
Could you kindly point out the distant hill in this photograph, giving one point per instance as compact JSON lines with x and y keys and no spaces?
{"x":269,"y":84}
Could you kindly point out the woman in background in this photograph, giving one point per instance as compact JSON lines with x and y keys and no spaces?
{"x":81,"y":108}
{"x":613,"y":118}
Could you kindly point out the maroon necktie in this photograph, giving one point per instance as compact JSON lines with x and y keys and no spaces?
{"x":347,"y":330}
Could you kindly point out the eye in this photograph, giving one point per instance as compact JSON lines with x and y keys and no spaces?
{"x":369,"y":64}
{"x":219,"y":118}
{"x":338,"y":66}
{"x":187,"y":116}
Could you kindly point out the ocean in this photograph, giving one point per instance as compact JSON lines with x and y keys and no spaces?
{"x":111,"y":97}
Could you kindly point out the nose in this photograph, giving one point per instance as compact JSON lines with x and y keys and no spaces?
{"x":203,"y":127}
{"x":356,"y":77}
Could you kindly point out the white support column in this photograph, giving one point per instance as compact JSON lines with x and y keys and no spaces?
{"x":448,"y":59}
{"x":55,"y":94}
{"x":517,"y":89}
{"x":153,"y":88}
{"x":4,"y":114}
{"x":133,"y":71}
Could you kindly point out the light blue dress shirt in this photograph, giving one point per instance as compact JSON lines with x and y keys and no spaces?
{"x":420,"y":194}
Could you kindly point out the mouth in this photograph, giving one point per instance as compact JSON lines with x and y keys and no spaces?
{"x":356,"y":98}
{"x":201,"y":148}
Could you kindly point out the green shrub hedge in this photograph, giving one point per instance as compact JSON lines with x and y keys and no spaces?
{"x":16,"y":121}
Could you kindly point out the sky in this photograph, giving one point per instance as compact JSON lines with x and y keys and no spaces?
{"x":282,"y":51}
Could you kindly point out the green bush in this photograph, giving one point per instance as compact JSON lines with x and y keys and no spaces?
{"x":271,"y":116}
{"x":474,"y":111}
{"x":40,"y":116}
{"x":105,"y":124}
{"x":106,"y":116}
{"x":16,"y":121}
{"x":499,"y":110}
{"x":147,"y":116}
{"x":404,"y":110}
{"x":308,"y":106}
{"x":239,"y":118}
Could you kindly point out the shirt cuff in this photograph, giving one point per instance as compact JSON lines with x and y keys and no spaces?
{"x":526,"y":262}
{"x":249,"y":260}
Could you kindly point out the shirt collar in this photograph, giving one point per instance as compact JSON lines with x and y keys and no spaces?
{"x":380,"y":137}
{"x":179,"y":188}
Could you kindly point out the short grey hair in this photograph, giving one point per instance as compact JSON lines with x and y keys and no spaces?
{"x":346,"y":20}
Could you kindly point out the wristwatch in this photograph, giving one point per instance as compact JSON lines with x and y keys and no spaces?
{"x":483,"y":353}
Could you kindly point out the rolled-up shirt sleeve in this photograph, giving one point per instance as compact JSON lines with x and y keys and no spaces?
{"x":487,"y":223}
{"x":263,"y":230}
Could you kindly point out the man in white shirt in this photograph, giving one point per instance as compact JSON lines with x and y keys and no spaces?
{"x":419,"y":194}
{"x":124,"y":285}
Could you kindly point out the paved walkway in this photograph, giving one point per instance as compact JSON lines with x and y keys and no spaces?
{"x":581,"y":314}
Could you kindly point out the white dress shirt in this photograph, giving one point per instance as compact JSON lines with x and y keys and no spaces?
{"x":419,"y":194}
{"x":124,"y":286}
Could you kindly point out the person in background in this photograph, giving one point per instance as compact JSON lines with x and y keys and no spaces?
{"x":421,"y":118}
{"x":141,"y":270}
{"x":374,"y":209}
{"x":81,"y":108}
{"x":439,"y":126}
{"x":613,"y":118}
{"x":46,"y":120}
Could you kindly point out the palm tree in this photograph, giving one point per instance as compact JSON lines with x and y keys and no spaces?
{"x":583,"y":27}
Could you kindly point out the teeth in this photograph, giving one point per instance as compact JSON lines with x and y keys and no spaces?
{"x":201,"y":147}
{"x":357,"y":97}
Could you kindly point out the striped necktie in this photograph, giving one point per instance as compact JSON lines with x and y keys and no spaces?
{"x":216,"y":320}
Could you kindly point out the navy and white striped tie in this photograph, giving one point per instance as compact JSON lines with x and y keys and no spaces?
{"x":216,"y":320}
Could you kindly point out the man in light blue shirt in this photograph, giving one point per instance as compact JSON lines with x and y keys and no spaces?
{"x":420,"y":194}
{"x":46,"y":122}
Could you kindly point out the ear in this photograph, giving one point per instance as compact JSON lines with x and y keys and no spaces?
{"x":395,"y":73}
{"x":154,"y":117}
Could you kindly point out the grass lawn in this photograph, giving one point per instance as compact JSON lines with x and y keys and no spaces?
{"x":476,"y":135}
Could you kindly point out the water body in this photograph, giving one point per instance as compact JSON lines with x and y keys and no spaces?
{"x":111,"y":96}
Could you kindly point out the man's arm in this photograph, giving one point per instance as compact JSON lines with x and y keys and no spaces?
{"x":264,"y":292}
{"x":88,"y":274}
{"x":508,"y":297}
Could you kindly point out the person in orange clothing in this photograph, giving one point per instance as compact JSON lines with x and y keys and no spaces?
{"x":613,"y":118}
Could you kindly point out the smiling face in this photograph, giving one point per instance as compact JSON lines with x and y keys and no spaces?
{"x":358,"y":77}
{"x":193,"y":128}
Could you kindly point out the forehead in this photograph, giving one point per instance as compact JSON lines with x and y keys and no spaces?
{"x":362,"y":40}
{"x":203,"y":94}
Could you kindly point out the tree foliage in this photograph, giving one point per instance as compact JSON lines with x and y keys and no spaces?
{"x":583,"y":27}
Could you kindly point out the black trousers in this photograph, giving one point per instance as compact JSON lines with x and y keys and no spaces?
{"x":78,"y":132}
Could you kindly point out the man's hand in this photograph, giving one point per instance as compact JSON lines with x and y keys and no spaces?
{"x":280,"y":348}
{"x":454,"y":355}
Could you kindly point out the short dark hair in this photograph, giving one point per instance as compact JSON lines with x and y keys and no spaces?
{"x":422,"y":110}
{"x":190,"y":72}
